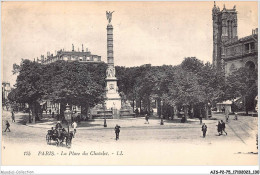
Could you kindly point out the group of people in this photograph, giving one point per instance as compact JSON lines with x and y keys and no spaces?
{"x":221,"y":127}
{"x":60,"y":129}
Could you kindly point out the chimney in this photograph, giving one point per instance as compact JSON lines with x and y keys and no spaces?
{"x":72,"y":48}
{"x":82,"y":48}
{"x":86,"y":49}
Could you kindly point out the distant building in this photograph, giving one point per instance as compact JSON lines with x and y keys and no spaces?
{"x":81,"y":56}
{"x":229,"y":52}
{"x":6,"y":88}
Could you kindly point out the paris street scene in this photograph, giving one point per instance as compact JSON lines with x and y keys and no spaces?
{"x":129,"y":83}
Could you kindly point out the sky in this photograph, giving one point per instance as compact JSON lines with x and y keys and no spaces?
{"x":154,"y":33}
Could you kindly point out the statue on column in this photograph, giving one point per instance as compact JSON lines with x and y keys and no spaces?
{"x":110,"y":72}
{"x":109,"y":16}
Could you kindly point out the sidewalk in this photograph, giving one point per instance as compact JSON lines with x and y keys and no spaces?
{"x":47,"y":122}
{"x":123,"y":123}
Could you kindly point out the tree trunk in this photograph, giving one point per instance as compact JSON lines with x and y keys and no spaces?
{"x":34,"y":112}
{"x":84,"y":109}
{"x":159,"y":108}
{"x":185,"y":112}
{"x":62,"y":108}
{"x":149,"y":105}
{"x":133,"y":105}
{"x":30,"y":117}
{"x":140,"y":105}
{"x":245,"y":105}
{"x":174,"y":112}
{"x":36,"y":108}
{"x":206,"y":111}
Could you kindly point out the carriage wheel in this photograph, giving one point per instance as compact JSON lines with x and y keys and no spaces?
{"x":48,"y":139}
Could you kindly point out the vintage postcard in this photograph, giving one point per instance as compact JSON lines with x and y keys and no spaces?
{"x":129,"y":83}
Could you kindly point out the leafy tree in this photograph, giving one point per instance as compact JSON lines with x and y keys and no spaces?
{"x":75,"y":83}
{"x":28,"y":86}
{"x":61,"y":81}
{"x":242,"y":83}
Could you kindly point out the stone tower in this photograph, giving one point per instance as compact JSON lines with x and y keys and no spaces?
{"x":224,"y":30}
{"x":113,"y":99}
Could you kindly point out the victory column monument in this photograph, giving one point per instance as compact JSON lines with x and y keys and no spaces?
{"x":112,"y":99}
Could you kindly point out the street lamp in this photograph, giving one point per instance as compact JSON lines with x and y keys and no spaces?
{"x":162,"y":123}
{"x":105,"y":121}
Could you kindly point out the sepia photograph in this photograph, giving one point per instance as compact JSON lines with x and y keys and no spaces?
{"x":129,"y":83}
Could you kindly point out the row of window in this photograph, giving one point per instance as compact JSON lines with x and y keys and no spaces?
{"x":248,"y":48}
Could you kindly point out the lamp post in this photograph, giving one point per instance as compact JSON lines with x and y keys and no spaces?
{"x":105,"y":120}
{"x":162,"y":123}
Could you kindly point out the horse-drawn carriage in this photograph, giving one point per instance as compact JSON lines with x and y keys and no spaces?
{"x":59,"y":136}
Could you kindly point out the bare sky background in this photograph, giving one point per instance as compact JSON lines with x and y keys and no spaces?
{"x":154,"y":33}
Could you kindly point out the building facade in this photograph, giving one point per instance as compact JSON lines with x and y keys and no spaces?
{"x":229,"y":52}
{"x":81,"y":56}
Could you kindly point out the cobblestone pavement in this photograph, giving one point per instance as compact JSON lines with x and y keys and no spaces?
{"x":180,"y":139}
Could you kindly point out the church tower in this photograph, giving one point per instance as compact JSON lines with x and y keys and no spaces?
{"x":224,"y":30}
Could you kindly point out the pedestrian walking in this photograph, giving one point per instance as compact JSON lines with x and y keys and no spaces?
{"x":147,"y":118}
{"x":204,"y":130}
{"x":223,"y":109}
{"x":200,"y":118}
{"x":235,"y":116}
{"x":74,"y":126}
{"x":117,"y":131}
{"x":223,"y":126}
{"x":227,"y":117}
{"x":219,"y":128}
{"x":13,"y":117}
{"x":7,"y":124}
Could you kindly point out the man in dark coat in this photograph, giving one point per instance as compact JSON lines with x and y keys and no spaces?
{"x":223,"y":126}
{"x":147,"y":118}
{"x":204,"y":129}
{"x":7,"y":126}
{"x":117,"y":131}
{"x":200,"y":118}
{"x":219,"y":128}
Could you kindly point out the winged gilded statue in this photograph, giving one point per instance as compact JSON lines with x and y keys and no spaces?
{"x":109,"y":16}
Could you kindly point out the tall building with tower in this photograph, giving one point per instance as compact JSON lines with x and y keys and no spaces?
{"x":224,"y":29}
{"x":230,"y":52}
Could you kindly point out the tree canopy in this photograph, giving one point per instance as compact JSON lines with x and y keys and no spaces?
{"x":61,"y":81}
